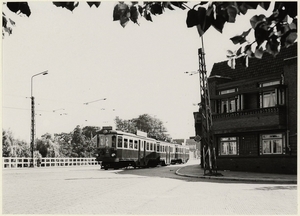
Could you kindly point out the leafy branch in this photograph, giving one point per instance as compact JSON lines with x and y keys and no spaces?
{"x":271,"y":33}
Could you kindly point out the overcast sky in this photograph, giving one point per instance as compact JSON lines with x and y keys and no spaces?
{"x":139,"y":69}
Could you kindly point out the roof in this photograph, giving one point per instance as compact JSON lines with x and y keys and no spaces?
{"x":264,"y":67}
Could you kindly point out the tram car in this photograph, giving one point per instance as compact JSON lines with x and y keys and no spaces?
{"x":117,"y":149}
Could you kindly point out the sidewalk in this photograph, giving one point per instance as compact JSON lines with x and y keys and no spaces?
{"x":194,"y":170}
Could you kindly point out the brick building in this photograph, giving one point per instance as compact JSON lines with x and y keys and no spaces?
{"x":254,"y":112}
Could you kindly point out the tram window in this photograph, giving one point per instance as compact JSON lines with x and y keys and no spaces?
{"x":113,"y":141}
{"x":154,"y":147}
{"x":147,"y":146}
{"x":135,"y":144}
{"x":157,"y":148}
{"x":102,"y":140}
{"x":120,"y":142}
{"x":125,"y":143}
{"x":131,"y":144}
{"x":151,"y":146}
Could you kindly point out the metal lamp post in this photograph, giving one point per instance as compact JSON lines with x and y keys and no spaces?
{"x":32,"y":116}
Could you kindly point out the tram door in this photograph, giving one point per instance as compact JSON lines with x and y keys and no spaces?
{"x":139,"y":152}
{"x":167,"y":154}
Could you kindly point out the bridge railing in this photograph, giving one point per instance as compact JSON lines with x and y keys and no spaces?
{"x":16,"y":162}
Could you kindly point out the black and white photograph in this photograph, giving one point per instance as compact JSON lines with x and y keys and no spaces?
{"x":149,"y":108}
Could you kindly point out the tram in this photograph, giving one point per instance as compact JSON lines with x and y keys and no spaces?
{"x":117,"y":149}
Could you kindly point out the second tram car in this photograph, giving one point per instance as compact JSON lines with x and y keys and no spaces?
{"x":117,"y":149}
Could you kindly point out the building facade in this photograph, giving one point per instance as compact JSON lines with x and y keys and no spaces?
{"x":254,"y":114}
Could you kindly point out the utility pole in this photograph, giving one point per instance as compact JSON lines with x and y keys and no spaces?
{"x":207,"y":139}
{"x":33,"y":118}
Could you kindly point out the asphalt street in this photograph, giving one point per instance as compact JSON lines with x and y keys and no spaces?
{"x":159,"y":191}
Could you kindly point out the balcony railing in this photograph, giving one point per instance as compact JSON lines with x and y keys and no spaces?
{"x":261,"y":111}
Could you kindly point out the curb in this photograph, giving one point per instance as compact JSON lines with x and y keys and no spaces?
{"x":280,"y":181}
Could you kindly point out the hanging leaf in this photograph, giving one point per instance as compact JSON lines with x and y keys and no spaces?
{"x":221,"y":17}
{"x":11,"y":22}
{"x":291,"y":8}
{"x":192,"y":18}
{"x":230,"y":54}
{"x":156,"y":8}
{"x":238,"y":39}
{"x":248,"y":51}
{"x":147,"y":16}
{"x":257,"y":19}
{"x":121,"y":11}
{"x":134,"y":14}
{"x":168,"y":5}
{"x":259,"y":52}
{"x":232,"y":12}
{"x":179,"y":4}
{"x":4,"y":21}
{"x":261,"y":32}
{"x":116,"y":13}
{"x":124,"y":20}
{"x":293,"y":25}
{"x":245,"y":61}
{"x":218,"y":23}
{"x":68,"y":5}
{"x":265,"y":5}
{"x":203,"y":20}
{"x":251,"y":5}
{"x":19,"y":7}
{"x":273,"y":46}
{"x":231,"y":63}
{"x":289,"y":38}
{"x":97,"y":4}
{"x":242,"y":8}
{"x":239,"y":52}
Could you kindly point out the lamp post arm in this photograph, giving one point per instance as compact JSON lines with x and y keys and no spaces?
{"x":44,"y":73}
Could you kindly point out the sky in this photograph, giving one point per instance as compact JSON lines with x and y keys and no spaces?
{"x":139,"y":69}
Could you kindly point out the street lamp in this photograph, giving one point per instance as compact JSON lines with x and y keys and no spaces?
{"x":32,"y":116}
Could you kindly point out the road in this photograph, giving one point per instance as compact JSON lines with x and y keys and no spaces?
{"x":89,"y":190}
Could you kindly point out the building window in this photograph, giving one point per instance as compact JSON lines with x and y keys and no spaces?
{"x":227,"y":91}
{"x":265,"y":84}
{"x":228,"y":146}
{"x":273,"y":97}
{"x":229,"y":105}
{"x":272,"y":143}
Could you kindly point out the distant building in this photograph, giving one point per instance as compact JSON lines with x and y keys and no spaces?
{"x":254,"y":113}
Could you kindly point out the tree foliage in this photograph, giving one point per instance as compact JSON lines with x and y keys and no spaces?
{"x":12,"y":147}
{"x":48,"y":146}
{"x":271,"y":33}
{"x":152,"y":126}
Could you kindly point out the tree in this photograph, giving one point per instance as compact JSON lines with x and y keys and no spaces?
{"x":47,"y":146}
{"x":271,"y":33}
{"x":64,"y":142}
{"x":89,"y":132}
{"x":152,"y":126}
{"x":12,"y":147}
{"x":78,"y":143}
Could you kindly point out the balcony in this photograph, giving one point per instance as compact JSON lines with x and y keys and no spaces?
{"x":250,"y":120}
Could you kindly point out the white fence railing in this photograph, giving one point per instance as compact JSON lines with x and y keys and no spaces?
{"x":15,"y":162}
